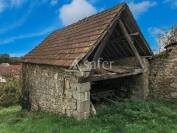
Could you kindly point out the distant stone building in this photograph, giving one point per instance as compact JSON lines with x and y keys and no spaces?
{"x":59,"y":75}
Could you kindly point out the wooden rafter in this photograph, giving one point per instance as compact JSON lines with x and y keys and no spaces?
{"x":116,"y":44}
{"x":134,"y":34}
{"x":104,"y":42}
{"x":101,"y":42}
{"x":138,"y":29}
{"x":131,"y":43}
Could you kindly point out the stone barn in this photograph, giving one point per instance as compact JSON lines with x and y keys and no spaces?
{"x":101,"y":56}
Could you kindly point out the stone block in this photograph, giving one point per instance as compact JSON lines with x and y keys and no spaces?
{"x":81,"y":115}
{"x":68,"y":94}
{"x":174,"y":85}
{"x":83,"y":106}
{"x":83,"y":87}
{"x":84,"y":96}
{"x":67,"y":84}
{"x":69,"y":104}
{"x":69,"y":113}
{"x":173,"y":95}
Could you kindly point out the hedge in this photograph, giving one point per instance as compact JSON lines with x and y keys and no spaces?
{"x":10,"y":93}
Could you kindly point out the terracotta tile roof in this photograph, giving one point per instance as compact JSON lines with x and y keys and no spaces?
{"x":12,"y":69}
{"x":71,"y":44}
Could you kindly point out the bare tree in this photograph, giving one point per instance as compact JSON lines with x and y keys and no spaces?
{"x":168,"y":37}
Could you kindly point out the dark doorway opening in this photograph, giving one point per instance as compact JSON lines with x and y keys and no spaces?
{"x":111,"y":90}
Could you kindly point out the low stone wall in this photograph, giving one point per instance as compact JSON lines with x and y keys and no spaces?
{"x":52,"y":89}
{"x":163,"y":75}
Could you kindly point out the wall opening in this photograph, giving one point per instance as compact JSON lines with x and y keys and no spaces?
{"x":111,"y":91}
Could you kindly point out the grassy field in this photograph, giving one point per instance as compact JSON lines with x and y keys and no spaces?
{"x":128,"y":117}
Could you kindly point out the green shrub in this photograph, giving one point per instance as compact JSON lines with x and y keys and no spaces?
{"x":10,"y":93}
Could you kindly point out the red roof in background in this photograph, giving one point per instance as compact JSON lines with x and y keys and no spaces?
{"x":12,"y":69}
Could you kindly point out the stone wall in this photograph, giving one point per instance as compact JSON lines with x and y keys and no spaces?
{"x":53,"y":89}
{"x":163,"y":74}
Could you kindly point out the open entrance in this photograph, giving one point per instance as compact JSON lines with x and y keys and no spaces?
{"x":111,"y":91}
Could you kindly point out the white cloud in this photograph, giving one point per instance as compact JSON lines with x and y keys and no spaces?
{"x":141,"y":7}
{"x":31,"y":35}
{"x":9,"y":4}
{"x":94,"y":1}
{"x":172,"y":2}
{"x":2,"y":6}
{"x":17,"y":3}
{"x":75,"y":11}
{"x":19,"y":22}
{"x":155,"y":31}
{"x":17,"y":54}
{"x":53,"y":2}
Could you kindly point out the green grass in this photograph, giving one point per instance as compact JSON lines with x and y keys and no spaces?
{"x":127,"y":117}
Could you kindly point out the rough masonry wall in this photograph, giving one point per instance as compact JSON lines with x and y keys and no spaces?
{"x":140,"y":84}
{"x":163,"y":74}
{"x":52,"y":89}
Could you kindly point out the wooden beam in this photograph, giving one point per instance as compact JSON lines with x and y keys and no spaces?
{"x":131,"y":43}
{"x":110,"y":76}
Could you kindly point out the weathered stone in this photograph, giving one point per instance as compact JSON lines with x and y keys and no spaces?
{"x":83,"y":87}
{"x":81,"y":115}
{"x":174,"y":85}
{"x":163,"y":75}
{"x":173,"y":94}
{"x":52,"y":89}
{"x":83,"y":106}
{"x":84,"y":96}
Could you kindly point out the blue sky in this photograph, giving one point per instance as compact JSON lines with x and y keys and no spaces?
{"x":25,"y":23}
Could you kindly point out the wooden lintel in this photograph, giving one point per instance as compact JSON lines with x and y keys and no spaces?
{"x":131,"y":43}
{"x":111,"y":76}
